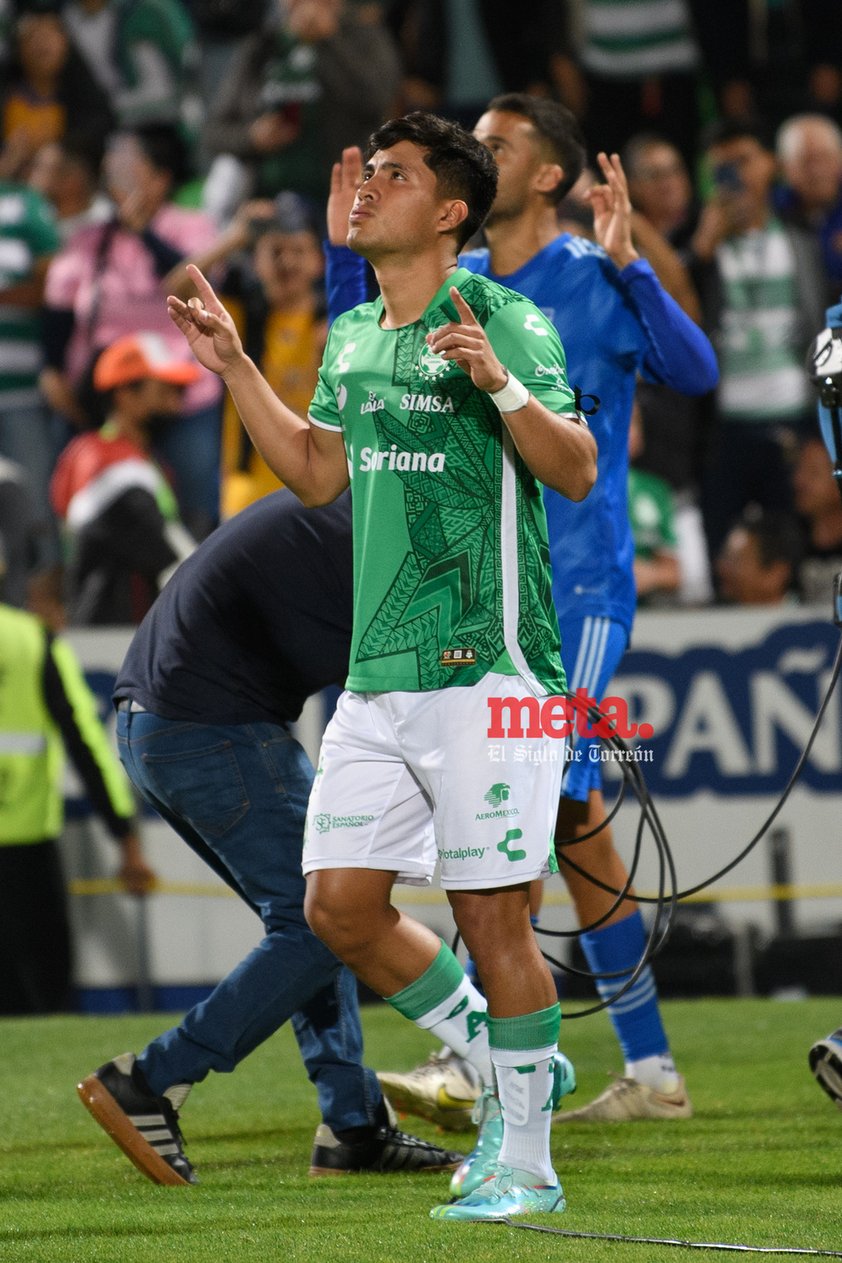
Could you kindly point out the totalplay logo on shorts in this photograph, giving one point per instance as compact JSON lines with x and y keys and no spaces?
{"x":464,"y":853}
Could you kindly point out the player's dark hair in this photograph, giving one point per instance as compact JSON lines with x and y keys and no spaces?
{"x":557,"y":128}
{"x":462,"y":166}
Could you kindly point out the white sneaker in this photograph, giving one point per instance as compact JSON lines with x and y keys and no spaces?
{"x":626,"y":1101}
{"x":826,"y":1064}
{"x":444,"y":1090}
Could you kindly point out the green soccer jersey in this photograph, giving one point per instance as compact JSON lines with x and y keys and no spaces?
{"x":451,"y":565}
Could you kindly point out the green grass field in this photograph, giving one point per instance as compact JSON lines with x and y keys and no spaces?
{"x":760,"y":1164}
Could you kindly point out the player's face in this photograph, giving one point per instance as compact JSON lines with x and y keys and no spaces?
{"x":512,"y":140}
{"x":397,"y":207}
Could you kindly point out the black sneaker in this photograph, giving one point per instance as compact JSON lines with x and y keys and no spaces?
{"x":143,"y":1125}
{"x":379,"y":1148}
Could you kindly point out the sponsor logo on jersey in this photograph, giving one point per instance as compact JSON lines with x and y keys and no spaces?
{"x":371,"y":459}
{"x":373,"y":404}
{"x":497,"y":794}
{"x":551,"y":370}
{"x":324,"y":822}
{"x":504,"y":847}
{"x":426,"y":403}
{"x":458,"y":658}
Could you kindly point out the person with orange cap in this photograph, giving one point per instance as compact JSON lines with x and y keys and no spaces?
{"x":117,"y":506}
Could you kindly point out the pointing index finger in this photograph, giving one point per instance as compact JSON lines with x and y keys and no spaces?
{"x":205,"y":290}
{"x":466,"y":316}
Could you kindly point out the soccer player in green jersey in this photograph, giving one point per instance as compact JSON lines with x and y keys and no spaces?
{"x":445,"y":401}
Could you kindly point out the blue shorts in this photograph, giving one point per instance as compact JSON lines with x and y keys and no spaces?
{"x":591,"y":649}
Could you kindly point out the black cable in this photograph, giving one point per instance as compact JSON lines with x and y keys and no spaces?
{"x":675,"y":1241}
{"x":668,"y":895}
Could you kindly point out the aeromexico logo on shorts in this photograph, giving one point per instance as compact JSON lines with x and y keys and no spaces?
{"x":497,"y":797}
{"x":324,"y":822}
{"x":372,"y":460}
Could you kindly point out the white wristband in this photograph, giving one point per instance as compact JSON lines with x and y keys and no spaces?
{"x":513,"y":396}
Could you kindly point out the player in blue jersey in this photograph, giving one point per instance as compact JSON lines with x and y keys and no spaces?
{"x":615,"y":321}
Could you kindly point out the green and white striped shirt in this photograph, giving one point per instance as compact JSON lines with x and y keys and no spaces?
{"x":27,"y":233}
{"x":630,"y":39}
{"x":762,"y":374}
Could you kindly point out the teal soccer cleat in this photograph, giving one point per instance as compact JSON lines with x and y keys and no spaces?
{"x":505,"y":1192}
{"x":478,"y":1165}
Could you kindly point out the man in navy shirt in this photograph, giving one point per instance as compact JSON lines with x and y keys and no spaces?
{"x":257,"y":619}
{"x":615,"y":321}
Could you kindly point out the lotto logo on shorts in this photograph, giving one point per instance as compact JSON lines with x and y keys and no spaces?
{"x":458,"y":658}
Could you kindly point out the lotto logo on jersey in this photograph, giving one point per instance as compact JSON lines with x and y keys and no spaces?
{"x":372,"y":460}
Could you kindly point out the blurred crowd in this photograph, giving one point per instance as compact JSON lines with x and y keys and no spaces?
{"x":137,"y":136}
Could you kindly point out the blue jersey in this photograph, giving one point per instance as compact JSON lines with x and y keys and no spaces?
{"x":613,"y":325}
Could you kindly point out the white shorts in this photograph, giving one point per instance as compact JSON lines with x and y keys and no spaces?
{"x":409,"y":779}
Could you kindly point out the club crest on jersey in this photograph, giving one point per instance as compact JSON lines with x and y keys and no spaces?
{"x":433,"y":365}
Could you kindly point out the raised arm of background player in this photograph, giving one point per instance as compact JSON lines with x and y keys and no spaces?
{"x":678,"y":354}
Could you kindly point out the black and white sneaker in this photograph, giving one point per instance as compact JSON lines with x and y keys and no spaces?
{"x":144,"y":1126}
{"x":826,"y":1064}
{"x":380,"y":1148}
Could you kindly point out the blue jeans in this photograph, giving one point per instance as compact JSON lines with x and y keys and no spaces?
{"x":238,"y":795}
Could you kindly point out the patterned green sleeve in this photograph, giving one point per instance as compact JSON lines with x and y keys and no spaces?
{"x":325,"y":405}
{"x":528,"y":345}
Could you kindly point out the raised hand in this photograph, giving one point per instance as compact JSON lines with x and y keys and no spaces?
{"x":206,"y":325}
{"x":345,"y":177}
{"x":612,"y":211}
{"x":466,"y":344}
